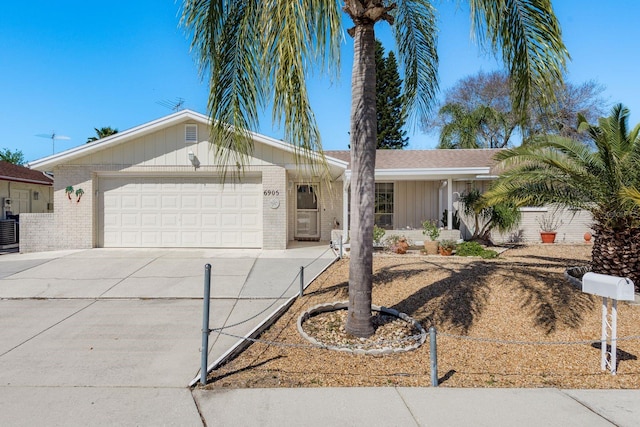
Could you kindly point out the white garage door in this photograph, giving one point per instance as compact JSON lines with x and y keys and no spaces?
{"x":179,"y":212}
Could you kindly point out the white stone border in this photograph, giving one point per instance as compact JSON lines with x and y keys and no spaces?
{"x":343,"y":305}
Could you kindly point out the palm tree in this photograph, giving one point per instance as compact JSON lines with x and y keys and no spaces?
{"x":466,"y":129}
{"x":102,"y":133}
{"x":255,"y":53}
{"x":603,"y":180}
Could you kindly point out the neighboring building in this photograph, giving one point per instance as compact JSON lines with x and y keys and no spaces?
{"x":158,"y":185}
{"x":23,"y":190}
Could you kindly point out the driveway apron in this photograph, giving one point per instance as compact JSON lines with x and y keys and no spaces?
{"x":107,"y":336}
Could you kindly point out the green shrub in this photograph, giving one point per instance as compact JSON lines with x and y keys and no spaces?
{"x":378,"y":233}
{"x":475,"y":249}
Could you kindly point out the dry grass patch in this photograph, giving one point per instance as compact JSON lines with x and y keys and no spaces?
{"x":521,"y":296}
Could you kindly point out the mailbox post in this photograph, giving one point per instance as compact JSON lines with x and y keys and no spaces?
{"x":616,"y":288}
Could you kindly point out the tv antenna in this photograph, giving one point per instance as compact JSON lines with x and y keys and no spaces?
{"x":175,"y":105}
{"x":53,"y":136}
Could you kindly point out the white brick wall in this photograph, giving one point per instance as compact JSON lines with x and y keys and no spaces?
{"x":74,"y":219}
{"x":37,"y":232}
{"x":575,"y":224}
{"x":274,"y":221}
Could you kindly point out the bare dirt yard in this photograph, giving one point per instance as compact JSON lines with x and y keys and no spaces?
{"x":479,"y":307}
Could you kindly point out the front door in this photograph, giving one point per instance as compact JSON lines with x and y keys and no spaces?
{"x":307,"y":212}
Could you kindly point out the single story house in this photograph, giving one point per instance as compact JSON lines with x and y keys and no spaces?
{"x":22,"y":191}
{"x":158,"y":185}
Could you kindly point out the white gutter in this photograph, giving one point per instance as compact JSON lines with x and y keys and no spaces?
{"x":26,"y":180}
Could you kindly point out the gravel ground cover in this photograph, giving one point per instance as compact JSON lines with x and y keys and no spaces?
{"x":479,"y":307}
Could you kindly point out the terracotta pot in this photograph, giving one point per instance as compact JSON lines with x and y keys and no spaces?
{"x":587,"y":237}
{"x":548,"y":236}
{"x":431,"y":247}
{"x":446,"y":252}
{"x":401,"y":247}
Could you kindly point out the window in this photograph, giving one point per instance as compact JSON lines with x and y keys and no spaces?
{"x":191,"y":133}
{"x":384,"y":205}
{"x":383,"y":209}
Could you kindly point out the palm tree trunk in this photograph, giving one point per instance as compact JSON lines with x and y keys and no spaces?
{"x":363,"y":158}
{"x":617,"y":252}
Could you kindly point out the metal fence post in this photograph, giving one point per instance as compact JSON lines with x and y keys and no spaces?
{"x":301,"y":280}
{"x":433,"y":355}
{"x":341,"y":248}
{"x":205,"y":324}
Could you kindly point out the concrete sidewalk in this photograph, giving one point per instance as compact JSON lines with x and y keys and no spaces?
{"x":419,"y":407}
{"x":112,"y":337}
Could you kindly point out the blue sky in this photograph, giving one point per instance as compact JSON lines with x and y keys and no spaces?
{"x":70,"y":66}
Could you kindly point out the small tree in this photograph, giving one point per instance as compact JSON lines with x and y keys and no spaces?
{"x":15,"y":157}
{"x":390,"y":111}
{"x":503,"y":216}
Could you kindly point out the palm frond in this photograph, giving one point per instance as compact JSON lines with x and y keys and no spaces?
{"x":415,"y":33}
{"x":257,"y":52}
{"x":528,"y":35}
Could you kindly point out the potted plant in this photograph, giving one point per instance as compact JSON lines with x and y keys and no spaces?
{"x":378,"y":234}
{"x":548,"y":225}
{"x":447,"y":247}
{"x":398,"y":244}
{"x":431,"y":230}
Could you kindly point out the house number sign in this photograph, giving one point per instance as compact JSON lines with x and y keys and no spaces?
{"x":271,"y":192}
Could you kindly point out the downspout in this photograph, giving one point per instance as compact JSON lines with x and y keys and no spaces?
{"x":346,"y":184}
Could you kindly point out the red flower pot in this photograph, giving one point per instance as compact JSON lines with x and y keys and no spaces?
{"x":548,"y":236}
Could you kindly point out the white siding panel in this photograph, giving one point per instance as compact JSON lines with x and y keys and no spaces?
{"x":179,"y":212}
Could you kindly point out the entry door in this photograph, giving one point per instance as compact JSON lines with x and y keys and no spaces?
{"x":307,"y":212}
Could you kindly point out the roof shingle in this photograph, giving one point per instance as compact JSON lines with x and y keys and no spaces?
{"x":11,"y":172}
{"x":426,"y":159}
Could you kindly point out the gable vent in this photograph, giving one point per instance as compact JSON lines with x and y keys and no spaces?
{"x":191,"y":133}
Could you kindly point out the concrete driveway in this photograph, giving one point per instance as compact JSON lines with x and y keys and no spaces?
{"x":112,"y":337}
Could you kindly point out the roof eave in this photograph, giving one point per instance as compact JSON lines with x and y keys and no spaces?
{"x":25,"y":180}
{"x":47,"y":163}
{"x":429,"y":173}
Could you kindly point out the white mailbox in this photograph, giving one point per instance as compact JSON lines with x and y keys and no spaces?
{"x":617,"y":288}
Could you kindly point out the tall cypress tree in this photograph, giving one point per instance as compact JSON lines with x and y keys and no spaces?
{"x":390,"y":112}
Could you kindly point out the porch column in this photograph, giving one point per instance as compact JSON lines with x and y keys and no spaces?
{"x":449,"y":204}
{"x":440,"y":199}
{"x":346,"y":184}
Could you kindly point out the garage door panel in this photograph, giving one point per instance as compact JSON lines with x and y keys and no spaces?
{"x":210,"y":201}
{"x":190,"y":201}
{"x":149,"y":239}
{"x":170,"y":219}
{"x":180,"y":212}
{"x":190,"y":220}
{"x":249,"y":220}
{"x":129,"y":201}
{"x":230,"y":220}
{"x":231,"y":201}
{"x":170,"y":202}
{"x":150,"y":201}
{"x":129,"y":220}
{"x":210,"y":220}
{"x":249,"y":201}
{"x":150,"y":220}
{"x":250,"y":239}
{"x":130,"y":238}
